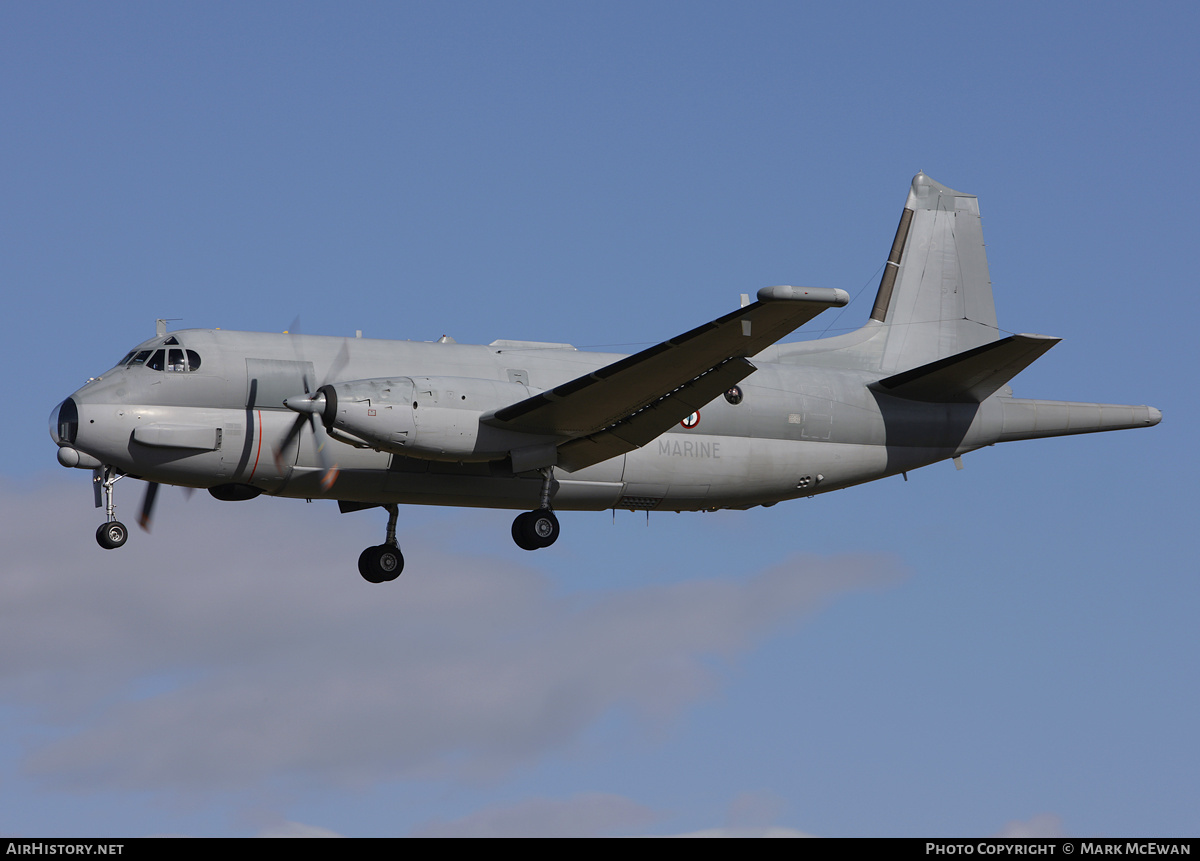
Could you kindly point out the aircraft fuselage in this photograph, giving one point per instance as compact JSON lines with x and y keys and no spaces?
{"x":797,"y":430}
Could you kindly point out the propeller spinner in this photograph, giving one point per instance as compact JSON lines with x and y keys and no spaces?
{"x":310,"y":407}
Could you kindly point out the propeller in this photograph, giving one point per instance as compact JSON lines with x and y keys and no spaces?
{"x":148,"y":505}
{"x":146,"y":517}
{"x":309,"y":408}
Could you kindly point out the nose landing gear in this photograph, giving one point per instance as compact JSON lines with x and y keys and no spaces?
{"x":113,"y":533}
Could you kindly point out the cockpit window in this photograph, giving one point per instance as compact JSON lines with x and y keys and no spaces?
{"x":168,"y":358}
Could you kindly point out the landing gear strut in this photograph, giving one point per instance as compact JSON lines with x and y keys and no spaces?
{"x":113,"y":533}
{"x":534,"y":530}
{"x":383,"y":562}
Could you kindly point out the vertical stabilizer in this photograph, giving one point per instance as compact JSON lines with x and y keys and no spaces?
{"x":935,"y":297}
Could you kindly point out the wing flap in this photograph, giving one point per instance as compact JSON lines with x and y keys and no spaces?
{"x":652,"y":421}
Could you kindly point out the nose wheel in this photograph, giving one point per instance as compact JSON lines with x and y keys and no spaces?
{"x":112,"y":535}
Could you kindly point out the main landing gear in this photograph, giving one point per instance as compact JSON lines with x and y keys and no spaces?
{"x":534,"y":530}
{"x":384,"y":562}
{"x":113,"y":533}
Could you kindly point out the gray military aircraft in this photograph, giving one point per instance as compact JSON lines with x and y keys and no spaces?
{"x":719,"y":417}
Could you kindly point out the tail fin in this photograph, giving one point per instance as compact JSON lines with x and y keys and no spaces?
{"x":935,"y":297}
{"x":933,"y":335}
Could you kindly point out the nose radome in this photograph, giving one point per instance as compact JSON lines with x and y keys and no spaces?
{"x":64,"y":422}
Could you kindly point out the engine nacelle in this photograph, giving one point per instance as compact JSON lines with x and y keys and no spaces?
{"x":436,"y":418}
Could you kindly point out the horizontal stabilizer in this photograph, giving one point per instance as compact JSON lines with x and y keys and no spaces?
{"x":971,"y":376}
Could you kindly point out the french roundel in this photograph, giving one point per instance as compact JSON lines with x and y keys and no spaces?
{"x":692,"y":420}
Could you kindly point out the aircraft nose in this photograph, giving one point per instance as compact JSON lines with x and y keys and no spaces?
{"x":64,"y":422}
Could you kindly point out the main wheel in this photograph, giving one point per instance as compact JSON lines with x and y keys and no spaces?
{"x":381,"y":564}
{"x":534,"y":530}
{"x":112,"y":535}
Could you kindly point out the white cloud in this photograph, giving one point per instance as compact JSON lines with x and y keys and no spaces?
{"x":296,"y":829}
{"x":774,"y":831}
{"x":237,"y":645}
{"x":755,"y":810}
{"x":1041,"y":825}
{"x":585,"y":815}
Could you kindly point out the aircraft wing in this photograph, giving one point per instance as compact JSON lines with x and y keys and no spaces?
{"x":627,"y":404}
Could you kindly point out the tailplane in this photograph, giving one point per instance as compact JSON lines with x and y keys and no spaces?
{"x":971,"y":376}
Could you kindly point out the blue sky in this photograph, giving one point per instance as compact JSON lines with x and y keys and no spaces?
{"x":1006,"y":649}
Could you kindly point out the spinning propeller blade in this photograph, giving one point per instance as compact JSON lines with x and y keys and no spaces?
{"x":288,"y":439}
{"x":309,"y":409}
{"x":147,"y":514}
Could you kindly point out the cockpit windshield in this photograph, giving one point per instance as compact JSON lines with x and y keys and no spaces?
{"x":170,"y":355}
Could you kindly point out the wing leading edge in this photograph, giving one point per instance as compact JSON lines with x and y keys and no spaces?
{"x":625,"y":405}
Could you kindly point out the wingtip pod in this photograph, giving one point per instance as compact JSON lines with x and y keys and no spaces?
{"x":831,"y":296}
